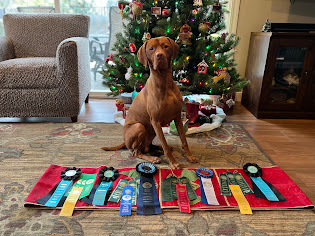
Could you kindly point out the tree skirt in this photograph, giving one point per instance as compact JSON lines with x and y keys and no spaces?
{"x":217,"y":120}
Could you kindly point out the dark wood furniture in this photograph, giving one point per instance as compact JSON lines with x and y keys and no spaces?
{"x":281,"y":69}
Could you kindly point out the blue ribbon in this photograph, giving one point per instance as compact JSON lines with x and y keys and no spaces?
{"x":100,"y":194}
{"x":148,"y":200}
{"x":58,"y":194}
{"x":126,"y":201}
{"x":265,"y":189}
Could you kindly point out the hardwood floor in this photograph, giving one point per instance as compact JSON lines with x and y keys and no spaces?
{"x":290,"y":143}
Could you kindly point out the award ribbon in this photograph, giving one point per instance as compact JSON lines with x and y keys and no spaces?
{"x":261,"y":187}
{"x":133,"y":184}
{"x":85,"y":181}
{"x":107,"y":176}
{"x":174,"y":181}
{"x":241,"y":200}
{"x":100,"y":194}
{"x":116,"y":194}
{"x":231,"y":178}
{"x":224,"y":185}
{"x":70,"y":202}
{"x":166,"y":190}
{"x":207,"y":192}
{"x":55,"y":197}
{"x":190,"y":191}
{"x":183,"y":200}
{"x":243,"y":184}
{"x":148,"y":200}
{"x":126,"y":201}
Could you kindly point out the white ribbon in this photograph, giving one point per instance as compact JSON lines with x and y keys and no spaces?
{"x":209,"y":191}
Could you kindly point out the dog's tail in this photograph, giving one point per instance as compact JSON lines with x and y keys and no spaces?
{"x":121,"y":146}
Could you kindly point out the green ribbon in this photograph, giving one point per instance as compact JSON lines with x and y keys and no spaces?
{"x":243,"y":184}
{"x":231,"y":178}
{"x":191,"y":192}
{"x":224,"y":185}
{"x":133,"y":184}
{"x":174,"y":181}
{"x":86,"y":181}
{"x":166,"y":190}
{"x":116,"y":194}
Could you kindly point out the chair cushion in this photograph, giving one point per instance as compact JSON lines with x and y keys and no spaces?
{"x":38,"y":35}
{"x":29,"y":73}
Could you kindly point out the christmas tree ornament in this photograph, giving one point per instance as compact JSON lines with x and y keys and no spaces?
{"x":146,"y":36}
{"x":195,"y":11}
{"x":267,"y":26}
{"x":182,"y":76}
{"x":223,"y":37}
{"x":202,"y":67}
{"x":197,"y":3}
{"x":132,"y":47}
{"x":204,"y":27}
{"x":213,"y":58}
{"x":122,"y":59}
{"x":109,"y":58}
{"x":121,"y":6}
{"x":221,"y":74}
{"x":156,"y":11}
{"x":185,"y":35}
{"x":166,"y":12}
{"x":217,"y":7}
{"x":136,"y":8}
{"x":129,"y":71}
{"x":227,"y":78}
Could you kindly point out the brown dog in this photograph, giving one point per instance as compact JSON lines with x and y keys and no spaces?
{"x":159,"y":103}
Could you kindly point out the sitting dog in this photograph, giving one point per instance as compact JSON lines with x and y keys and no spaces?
{"x":158,"y":103}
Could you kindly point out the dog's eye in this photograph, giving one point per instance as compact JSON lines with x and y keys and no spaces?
{"x":151,"y":48}
{"x":166,"y":46}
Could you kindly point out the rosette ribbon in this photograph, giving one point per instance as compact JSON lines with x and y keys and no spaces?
{"x":56,"y":197}
{"x":207,"y":193}
{"x":261,"y":187}
{"x":101,"y":191}
{"x":148,"y":200}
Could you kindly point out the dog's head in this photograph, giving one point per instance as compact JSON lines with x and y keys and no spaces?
{"x":158,"y":52}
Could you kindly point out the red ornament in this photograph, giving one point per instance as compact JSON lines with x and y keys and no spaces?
{"x":132,"y":47}
{"x":109,"y":58}
{"x":166,"y":12}
{"x":202,"y":67}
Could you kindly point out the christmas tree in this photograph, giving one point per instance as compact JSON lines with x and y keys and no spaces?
{"x":205,"y":63}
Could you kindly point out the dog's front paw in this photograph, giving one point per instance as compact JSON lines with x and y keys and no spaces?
{"x":192,"y":159}
{"x":174,"y":165}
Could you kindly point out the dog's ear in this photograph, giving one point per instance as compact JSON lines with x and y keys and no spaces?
{"x":142,"y":56}
{"x":175,"y":48}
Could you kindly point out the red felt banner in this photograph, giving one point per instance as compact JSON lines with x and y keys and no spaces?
{"x":274,"y":175}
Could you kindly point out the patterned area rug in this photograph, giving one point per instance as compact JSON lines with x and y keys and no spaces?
{"x":27,"y":150}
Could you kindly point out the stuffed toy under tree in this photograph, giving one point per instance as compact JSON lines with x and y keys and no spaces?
{"x":205,"y":63}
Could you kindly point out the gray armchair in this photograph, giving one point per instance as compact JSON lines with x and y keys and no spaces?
{"x":44,"y":65}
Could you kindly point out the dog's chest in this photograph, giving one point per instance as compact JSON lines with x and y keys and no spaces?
{"x":168,"y":107}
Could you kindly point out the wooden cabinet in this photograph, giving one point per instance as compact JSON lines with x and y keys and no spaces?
{"x":281,"y":70}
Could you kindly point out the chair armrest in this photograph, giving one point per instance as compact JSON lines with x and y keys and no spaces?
{"x":73,"y":66}
{"x":6,"y":49}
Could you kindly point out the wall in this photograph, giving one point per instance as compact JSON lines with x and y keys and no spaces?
{"x":253,"y":14}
